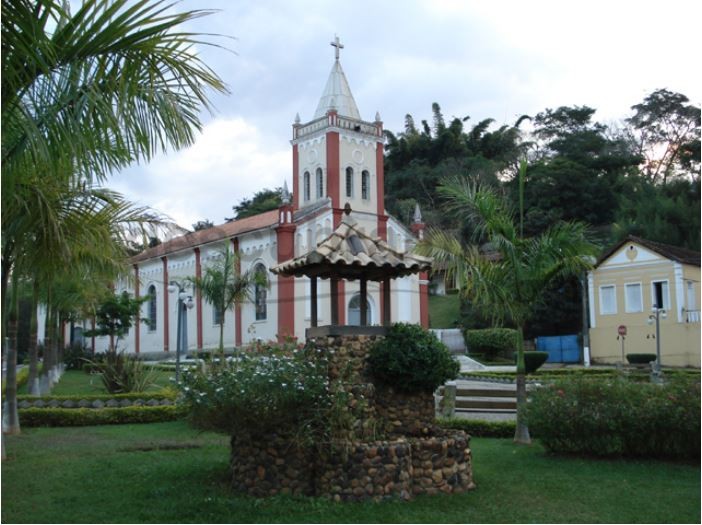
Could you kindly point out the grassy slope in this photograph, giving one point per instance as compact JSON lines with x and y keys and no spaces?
{"x":443,"y":311}
{"x":94,"y":474}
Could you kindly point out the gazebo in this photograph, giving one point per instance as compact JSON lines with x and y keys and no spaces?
{"x":350,"y":254}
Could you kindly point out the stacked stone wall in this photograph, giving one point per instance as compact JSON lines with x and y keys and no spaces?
{"x":385,"y":443}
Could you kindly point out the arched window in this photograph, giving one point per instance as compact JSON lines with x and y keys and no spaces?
{"x":320,"y":183}
{"x":260,"y":296}
{"x":152,"y":308}
{"x":355,"y":311}
{"x":306,"y":185}
{"x":365,"y":185}
{"x":349,"y":182}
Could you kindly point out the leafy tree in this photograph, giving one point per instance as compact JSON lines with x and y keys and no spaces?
{"x":115,"y":317}
{"x":224,"y":286}
{"x":666,"y":131}
{"x":509,"y":282}
{"x":262,"y":201}
{"x":202,"y":225}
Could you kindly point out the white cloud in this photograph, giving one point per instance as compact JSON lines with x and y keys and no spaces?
{"x":229,"y":161}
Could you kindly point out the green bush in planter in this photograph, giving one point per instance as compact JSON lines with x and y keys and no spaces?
{"x":491,"y":342}
{"x":533,"y":360}
{"x":640,"y":359}
{"x":411,"y":359}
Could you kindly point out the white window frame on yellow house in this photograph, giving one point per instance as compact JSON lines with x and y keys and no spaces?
{"x":631,"y":308}
{"x":666,"y":294}
{"x":614,"y":296}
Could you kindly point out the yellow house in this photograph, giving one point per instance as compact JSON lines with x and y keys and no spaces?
{"x":625,"y":285}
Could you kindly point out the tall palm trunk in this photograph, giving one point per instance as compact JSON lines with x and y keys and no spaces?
{"x":45,"y":380}
{"x":33,"y":379}
{"x":521,"y":433}
{"x":12,"y":425}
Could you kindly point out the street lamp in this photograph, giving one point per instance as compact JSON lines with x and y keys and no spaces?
{"x":655,"y":317}
{"x":185,"y":303}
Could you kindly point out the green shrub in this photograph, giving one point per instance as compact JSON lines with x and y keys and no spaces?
{"x":640,"y":359}
{"x":74,"y":357}
{"x":411,"y":359}
{"x":123,"y":373}
{"x":492,"y":342}
{"x":260,"y":394}
{"x":478,"y":428}
{"x":22,"y":377}
{"x":616,"y":417}
{"x":79,"y":417}
{"x":533,"y":360}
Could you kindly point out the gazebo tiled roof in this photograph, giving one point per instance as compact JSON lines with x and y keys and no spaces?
{"x":349,"y":253}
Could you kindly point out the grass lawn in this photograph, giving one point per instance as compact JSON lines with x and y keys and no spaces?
{"x":77,"y":382}
{"x":443,"y":311}
{"x":118,"y":474}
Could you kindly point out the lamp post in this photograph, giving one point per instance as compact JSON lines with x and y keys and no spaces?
{"x":185,"y":302}
{"x":655,"y":317}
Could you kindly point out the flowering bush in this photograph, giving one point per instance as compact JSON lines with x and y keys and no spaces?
{"x":283,"y":392}
{"x":615,"y":417}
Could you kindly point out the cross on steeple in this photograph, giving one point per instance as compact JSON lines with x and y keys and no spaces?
{"x":338,"y":45}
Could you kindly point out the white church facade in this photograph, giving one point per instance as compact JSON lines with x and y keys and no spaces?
{"x":337,"y":159}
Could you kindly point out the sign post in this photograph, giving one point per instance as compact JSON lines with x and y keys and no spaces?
{"x":621,"y":330}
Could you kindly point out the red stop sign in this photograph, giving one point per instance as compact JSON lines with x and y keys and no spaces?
{"x":621,"y":330}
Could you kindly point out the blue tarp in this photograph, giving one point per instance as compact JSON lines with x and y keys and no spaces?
{"x":560,"y":348}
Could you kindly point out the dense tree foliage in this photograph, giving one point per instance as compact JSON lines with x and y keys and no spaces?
{"x":639,"y":176}
{"x":262,"y":201}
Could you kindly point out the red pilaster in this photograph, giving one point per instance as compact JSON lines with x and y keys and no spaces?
{"x":137,"y":324}
{"x":342,"y":302}
{"x":164,"y":259}
{"x":286,"y":285}
{"x":296,"y":178}
{"x":424,"y":299}
{"x":237,"y":307}
{"x":333,"y":163}
{"x":198,"y":298}
{"x":380,"y":177}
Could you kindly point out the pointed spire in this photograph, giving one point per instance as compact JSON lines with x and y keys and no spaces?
{"x":377,"y":117}
{"x":417,"y":219}
{"x":337,"y":93}
{"x":297,"y":118}
{"x":285,"y":194}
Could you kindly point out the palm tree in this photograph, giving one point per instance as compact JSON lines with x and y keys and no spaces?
{"x":510,"y":279}
{"x":224,"y":286}
{"x":83,"y":95}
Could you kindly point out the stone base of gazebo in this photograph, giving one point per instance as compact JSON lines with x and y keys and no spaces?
{"x":392,"y":448}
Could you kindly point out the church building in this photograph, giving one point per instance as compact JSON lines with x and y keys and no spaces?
{"x":337,"y":160}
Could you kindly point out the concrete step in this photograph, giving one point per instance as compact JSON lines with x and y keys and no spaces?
{"x":487,"y":403}
{"x":509,"y":391}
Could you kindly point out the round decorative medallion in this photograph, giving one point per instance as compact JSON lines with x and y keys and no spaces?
{"x":312,"y":155}
{"x":357,"y":156}
{"x":632,"y":252}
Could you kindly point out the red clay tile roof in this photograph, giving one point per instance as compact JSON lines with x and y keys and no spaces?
{"x":675,"y":253}
{"x":216,"y":233}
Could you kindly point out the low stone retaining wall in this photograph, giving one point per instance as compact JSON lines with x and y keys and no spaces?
{"x":369,"y":470}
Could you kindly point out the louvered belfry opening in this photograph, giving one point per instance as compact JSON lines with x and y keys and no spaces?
{"x":351,"y":254}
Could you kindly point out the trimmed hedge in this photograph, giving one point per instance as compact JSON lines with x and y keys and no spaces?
{"x":491,"y":342}
{"x":479,"y":428}
{"x":640,"y":359}
{"x":617,"y":417}
{"x":79,"y":417}
{"x":532,"y":360}
{"x":165,"y":393}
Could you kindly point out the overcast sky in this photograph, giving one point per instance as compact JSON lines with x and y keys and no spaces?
{"x":483,"y":59}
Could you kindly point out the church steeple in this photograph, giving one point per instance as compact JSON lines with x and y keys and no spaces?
{"x":337,"y":93}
